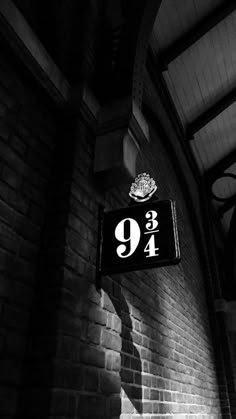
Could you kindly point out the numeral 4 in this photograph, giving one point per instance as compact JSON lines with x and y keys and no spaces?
{"x":150,"y":247}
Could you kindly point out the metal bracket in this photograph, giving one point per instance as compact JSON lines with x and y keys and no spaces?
{"x":99,"y":247}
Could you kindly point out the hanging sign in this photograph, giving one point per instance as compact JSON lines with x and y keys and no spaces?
{"x":138,"y":237}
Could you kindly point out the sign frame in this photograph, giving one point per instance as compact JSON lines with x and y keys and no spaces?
{"x":101,"y":270}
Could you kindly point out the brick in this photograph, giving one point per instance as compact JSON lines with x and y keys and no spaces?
{"x":137,"y":338}
{"x":75,"y":261}
{"x":146,"y":379}
{"x":114,"y":406}
{"x":125,"y":360}
{"x":90,"y":406}
{"x":165,"y":408}
{"x":19,"y":270}
{"x":155,"y":395}
{"x":67,"y":375}
{"x":109,"y":360}
{"x":110,"y":382}
{"x":133,"y":392}
{"x":18,"y":145}
{"x":146,"y":394}
{"x":97,"y":315}
{"x":15,"y":318}
{"x":109,"y":321}
{"x":78,"y":226}
{"x":4,"y":131}
{"x":116,"y":324}
{"x":6,"y":98}
{"x":10,"y":371}
{"x":89,"y":218}
{"x":145,"y":367}
{"x":8,"y":401}
{"x":127,"y":347}
{"x":137,"y":326}
{"x":68,"y":348}
{"x":59,"y":403}
{"x":16,"y":291}
{"x":67,"y":323}
{"x":136,"y":364}
{"x":136,"y":313}
{"x":15,"y":345}
{"x":36,"y":214}
{"x":127,"y":376}
{"x":8,"y":238}
{"x":37,"y":163}
{"x":28,"y":229}
{"x":116,"y":361}
{"x":92,"y":356}
{"x":107,"y":303}
{"x":27,"y":251}
{"x":11,"y":198}
{"x":167,"y":396}
{"x":34,"y":194}
{"x":126,"y":333}
{"x":7,"y":214}
{"x":72,"y":405}
{"x":12,"y":159}
{"x":155,"y":407}
{"x":111,"y":341}
{"x":147,"y":407}
{"x":94,"y":295}
{"x":94,"y":333}
{"x":139,"y":380}
{"x":11,"y":177}
{"x":127,"y":407}
{"x":90,"y":379}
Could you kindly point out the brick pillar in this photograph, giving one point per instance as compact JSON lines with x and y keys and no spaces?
{"x":54,"y":296}
{"x":74,"y":357}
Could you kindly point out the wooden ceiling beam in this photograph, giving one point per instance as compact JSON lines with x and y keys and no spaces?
{"x":209,"y":114}
{"x":197,"y":31}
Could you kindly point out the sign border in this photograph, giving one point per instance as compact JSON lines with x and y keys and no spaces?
{"x":131,"y":268}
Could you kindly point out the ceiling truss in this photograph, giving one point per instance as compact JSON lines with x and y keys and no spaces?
{"x":205,"y":117}
{"x":197,"y":32}
{"x":168,"y":55}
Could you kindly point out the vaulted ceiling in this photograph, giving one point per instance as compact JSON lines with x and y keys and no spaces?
{"x":194,"y":43}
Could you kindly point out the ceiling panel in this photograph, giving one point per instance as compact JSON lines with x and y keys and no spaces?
{"x":204,"y":72}
{"x":216,"y":139}
{"x":180,"y":17}
{"x":231,"y":169}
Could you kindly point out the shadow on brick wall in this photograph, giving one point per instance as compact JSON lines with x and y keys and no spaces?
{"x":131,"y":365}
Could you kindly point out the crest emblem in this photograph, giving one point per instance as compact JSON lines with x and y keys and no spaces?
{"x":142,"y":188}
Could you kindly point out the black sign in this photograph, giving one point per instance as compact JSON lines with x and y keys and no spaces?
{"x":139,"y":237}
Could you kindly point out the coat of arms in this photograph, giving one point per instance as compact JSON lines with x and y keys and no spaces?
{"x":142,"y":188}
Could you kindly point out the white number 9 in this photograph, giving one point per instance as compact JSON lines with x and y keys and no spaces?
{"x":128,"y":227}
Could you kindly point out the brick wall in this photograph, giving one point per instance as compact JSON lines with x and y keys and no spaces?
{"x":26,"y":152}
{"x":141,"y":347}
